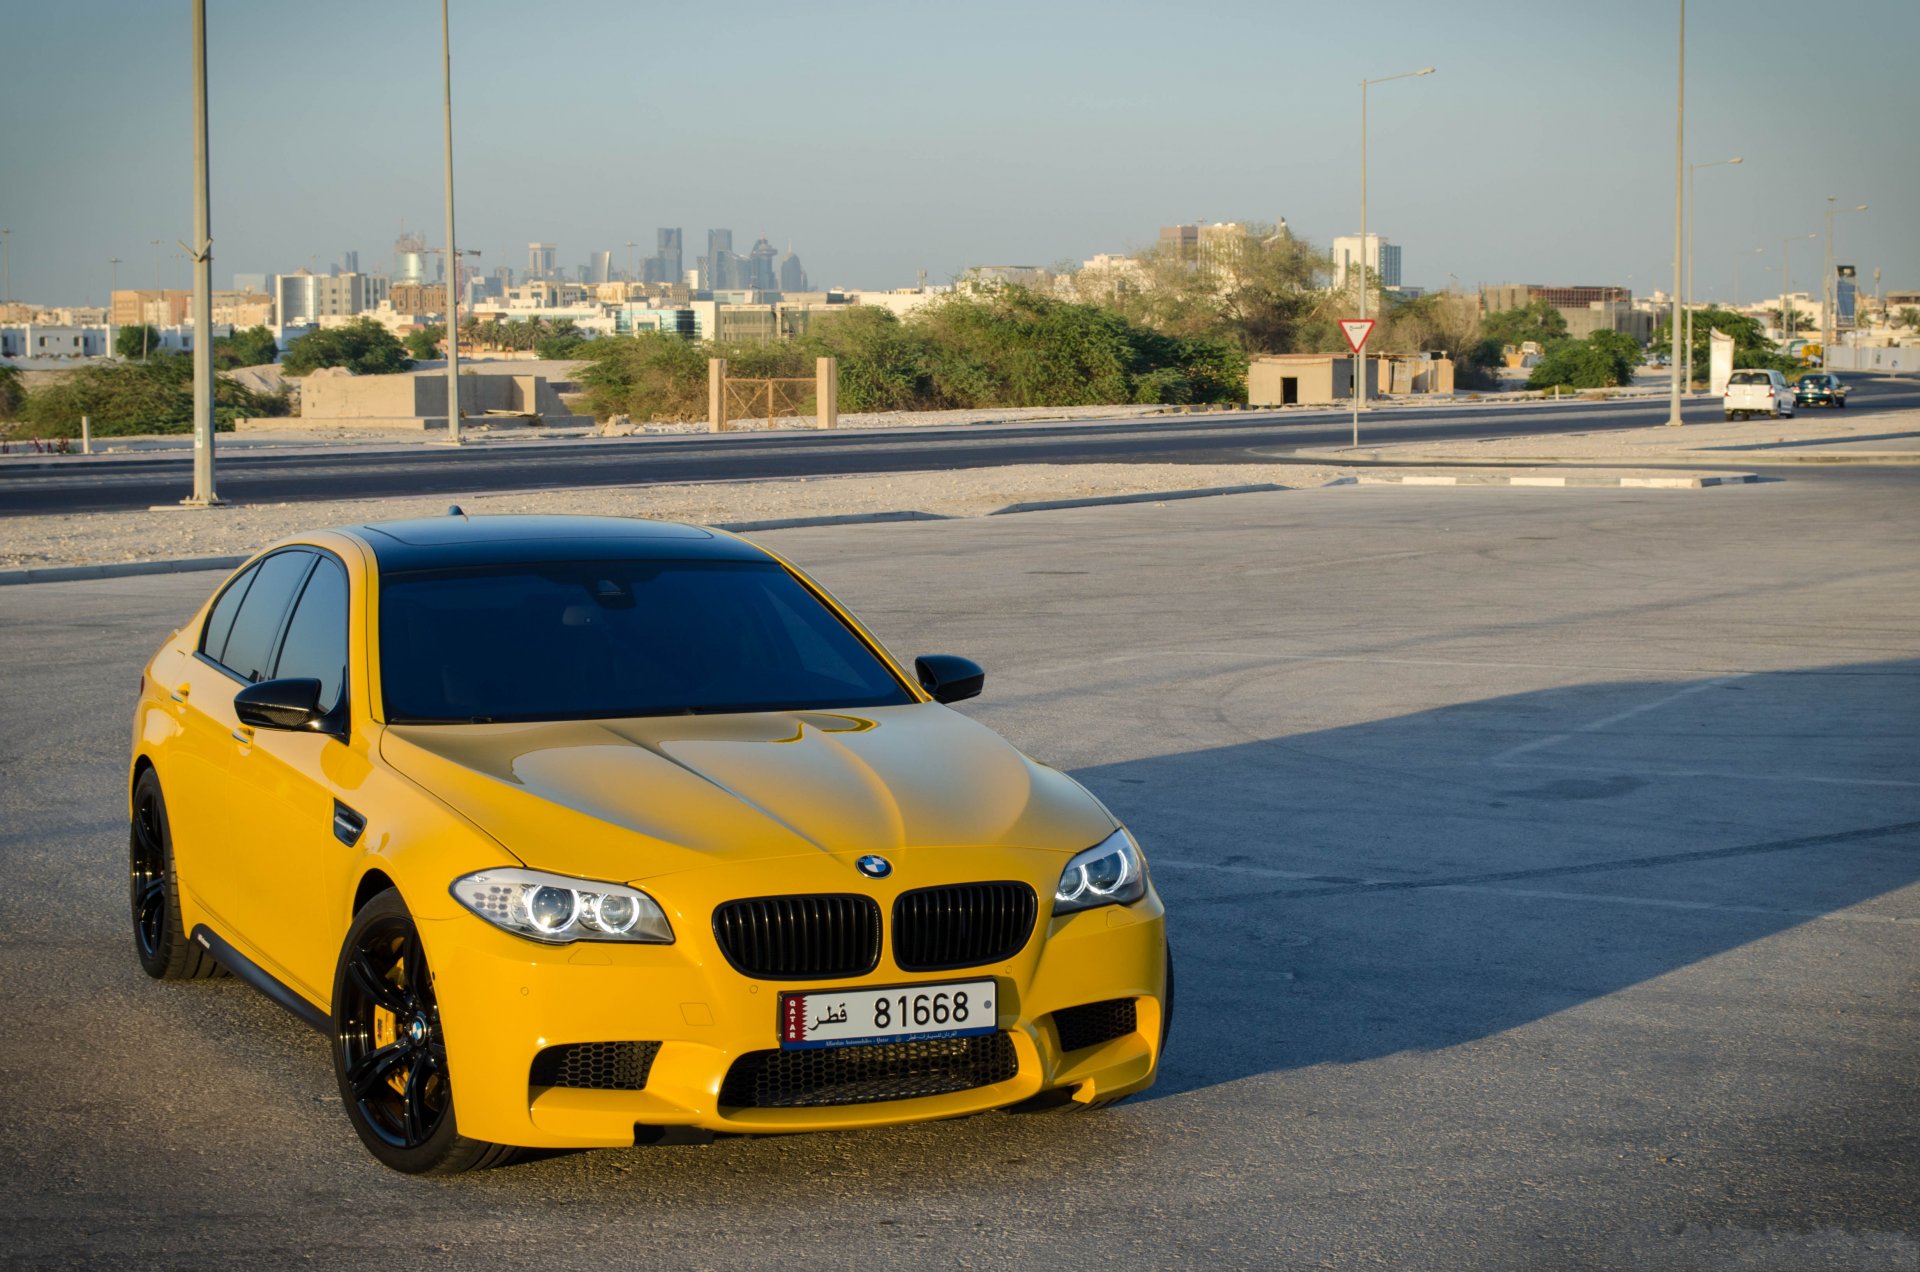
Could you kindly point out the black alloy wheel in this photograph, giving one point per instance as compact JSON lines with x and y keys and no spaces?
{"x":389,"y":1052}
{"x":159,"y":939}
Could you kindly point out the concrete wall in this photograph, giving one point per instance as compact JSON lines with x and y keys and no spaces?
{"x":420,"y":401}
{"x":1846,"y":358}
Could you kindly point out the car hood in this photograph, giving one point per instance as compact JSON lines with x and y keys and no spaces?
{"x":637,"y":798}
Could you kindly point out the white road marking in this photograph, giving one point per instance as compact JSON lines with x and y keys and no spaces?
{"x":1539,"y":894}
{"x":1554,"y":739}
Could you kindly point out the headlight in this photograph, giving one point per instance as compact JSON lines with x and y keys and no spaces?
{"x":559,"y":910}
{"x":1109,"y":873}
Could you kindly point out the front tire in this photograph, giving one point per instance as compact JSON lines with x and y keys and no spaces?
{"x":389,"y":1052}
{"x":159,"y":937}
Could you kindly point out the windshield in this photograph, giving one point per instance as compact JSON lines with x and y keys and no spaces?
{"x":603,"y":639}
{"x":1748,"y":377}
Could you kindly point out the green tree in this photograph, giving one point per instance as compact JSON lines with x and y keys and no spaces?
{"x":251,"y":347}
{"x":1751,"y":348}
{"x":1601,"y":361}
{"x":155,"y":396}
{"x":423,"y":343}
{"x":1537,"y":321}
{"x":136,"y":340}
{"x":562,"y":340}
{"x":363,"y":347}
{"x":1908,"y":317}
{"x":13,"y":393}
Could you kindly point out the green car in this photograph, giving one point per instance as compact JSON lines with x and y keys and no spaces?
{"x":1821,"y":388}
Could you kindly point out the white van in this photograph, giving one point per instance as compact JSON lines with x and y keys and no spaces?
{"x":1757,"y":393}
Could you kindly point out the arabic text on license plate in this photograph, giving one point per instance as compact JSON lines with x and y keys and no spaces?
{"x":844,"y":1017}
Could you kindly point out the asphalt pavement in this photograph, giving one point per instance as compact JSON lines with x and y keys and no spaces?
{"x":140,"y":480}
{"x":1543,"y":868}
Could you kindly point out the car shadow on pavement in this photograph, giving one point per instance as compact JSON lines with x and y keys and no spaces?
{"x":1418,"y":882}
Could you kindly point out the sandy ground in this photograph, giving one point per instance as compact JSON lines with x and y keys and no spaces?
{"x":97,"y":538}
{"x":1809,"y":430}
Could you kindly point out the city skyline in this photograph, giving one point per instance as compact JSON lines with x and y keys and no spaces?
{"x":931,"y":154}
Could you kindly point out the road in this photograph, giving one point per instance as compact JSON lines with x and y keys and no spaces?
{"x":139,"y":481}
{"x":1544,"y":869}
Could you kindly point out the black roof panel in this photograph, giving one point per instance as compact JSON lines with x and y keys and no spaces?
{"x":434,"y":542}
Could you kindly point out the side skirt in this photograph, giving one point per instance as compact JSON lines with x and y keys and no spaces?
{"x":258,"y":977}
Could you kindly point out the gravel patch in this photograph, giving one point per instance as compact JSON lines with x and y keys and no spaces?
{"x":101,"y":538}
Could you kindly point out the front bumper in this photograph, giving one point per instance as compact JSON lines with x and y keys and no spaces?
{"x":503,"y":1000}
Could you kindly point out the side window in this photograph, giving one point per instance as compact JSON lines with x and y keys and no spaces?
{"x":249,"y":651}
{"x":316,"y":643}
{"x":213,"y":641}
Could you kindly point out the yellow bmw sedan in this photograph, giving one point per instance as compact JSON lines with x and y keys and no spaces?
{"x":583,"y":832}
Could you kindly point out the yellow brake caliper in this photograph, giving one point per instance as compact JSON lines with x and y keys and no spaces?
{"x":386,"y":1026}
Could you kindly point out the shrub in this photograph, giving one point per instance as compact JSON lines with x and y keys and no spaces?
{"x":364,"y":348}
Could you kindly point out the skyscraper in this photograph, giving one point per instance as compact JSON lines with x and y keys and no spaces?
{"x":720,"y":267}
{"x":349,"y":262}
{"x":665,"y":265}
{"x":760,"y":272}
{"x":601,"y":268}
{"x":792,"y":277}
{"x":540,"y":260}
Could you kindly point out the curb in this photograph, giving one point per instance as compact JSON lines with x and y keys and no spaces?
{"x":184,"y":565}
{"x":1678,"y":481}
{"x":1100,"y":501}
{"x":839,"y":519}
{"x":1366,"y":457}
{"x":120,"y":569}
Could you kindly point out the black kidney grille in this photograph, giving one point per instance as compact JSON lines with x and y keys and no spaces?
{"x":800,"y":938}
{"x":867,"y":1074}
{"x":1095,"y":1023}
{"x":961,"y":925}
{"x":599,"y":1066}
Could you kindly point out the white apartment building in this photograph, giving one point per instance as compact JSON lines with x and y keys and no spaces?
{"x":1381,"y":259}
{"x":305,"y":297}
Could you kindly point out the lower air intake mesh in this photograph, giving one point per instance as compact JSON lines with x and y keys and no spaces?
{"x":867,"y":1074}
{"x":598,"y":1066}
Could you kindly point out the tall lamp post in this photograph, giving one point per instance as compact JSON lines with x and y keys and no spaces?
{"x":1786,"y":297}
{"x":630,"y":246}
{"x":6,"y":262}
{"x":1360,"y":359}
{"x":1830,"y":294}
{"x":1691,"y":169}
{"x":204,"y":495}
{"x":113,"y":267}
{"x":1674,"y":419}
{"x":453,"y":253}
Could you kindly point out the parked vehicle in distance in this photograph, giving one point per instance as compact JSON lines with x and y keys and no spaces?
{"x":1821,"y":388}
{"x":573,"y":832}
{"x":1752,"y":392}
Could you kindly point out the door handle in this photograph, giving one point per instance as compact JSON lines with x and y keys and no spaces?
{"x":180,"y":694}
{"x":243,"y":736}
{"x":347,"y":824}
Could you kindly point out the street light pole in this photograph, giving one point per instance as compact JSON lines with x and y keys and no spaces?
{"x":1690,"y":216}
{"x":113,"y":265}
{"x":204,"y":495}
{"x":1674,"y":419}
{"x":453,"y":255}
{"x":630,"y":246}
{"x":6,"y":262}
{"x":1359,"y":359}
{"x":1786,"y":297}
{"x":1830,"y":294}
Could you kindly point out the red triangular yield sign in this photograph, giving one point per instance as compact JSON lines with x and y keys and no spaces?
{"x":1356,"y":331}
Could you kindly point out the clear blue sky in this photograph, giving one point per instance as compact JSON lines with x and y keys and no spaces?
{"x":885,"y":138}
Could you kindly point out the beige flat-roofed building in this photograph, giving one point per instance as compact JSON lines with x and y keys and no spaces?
{"x":1303,"y":379}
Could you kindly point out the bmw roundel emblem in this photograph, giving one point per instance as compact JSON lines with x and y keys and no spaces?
{"x":874,"y":867}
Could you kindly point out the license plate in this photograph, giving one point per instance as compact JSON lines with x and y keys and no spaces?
{"x":847,"y":1017}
